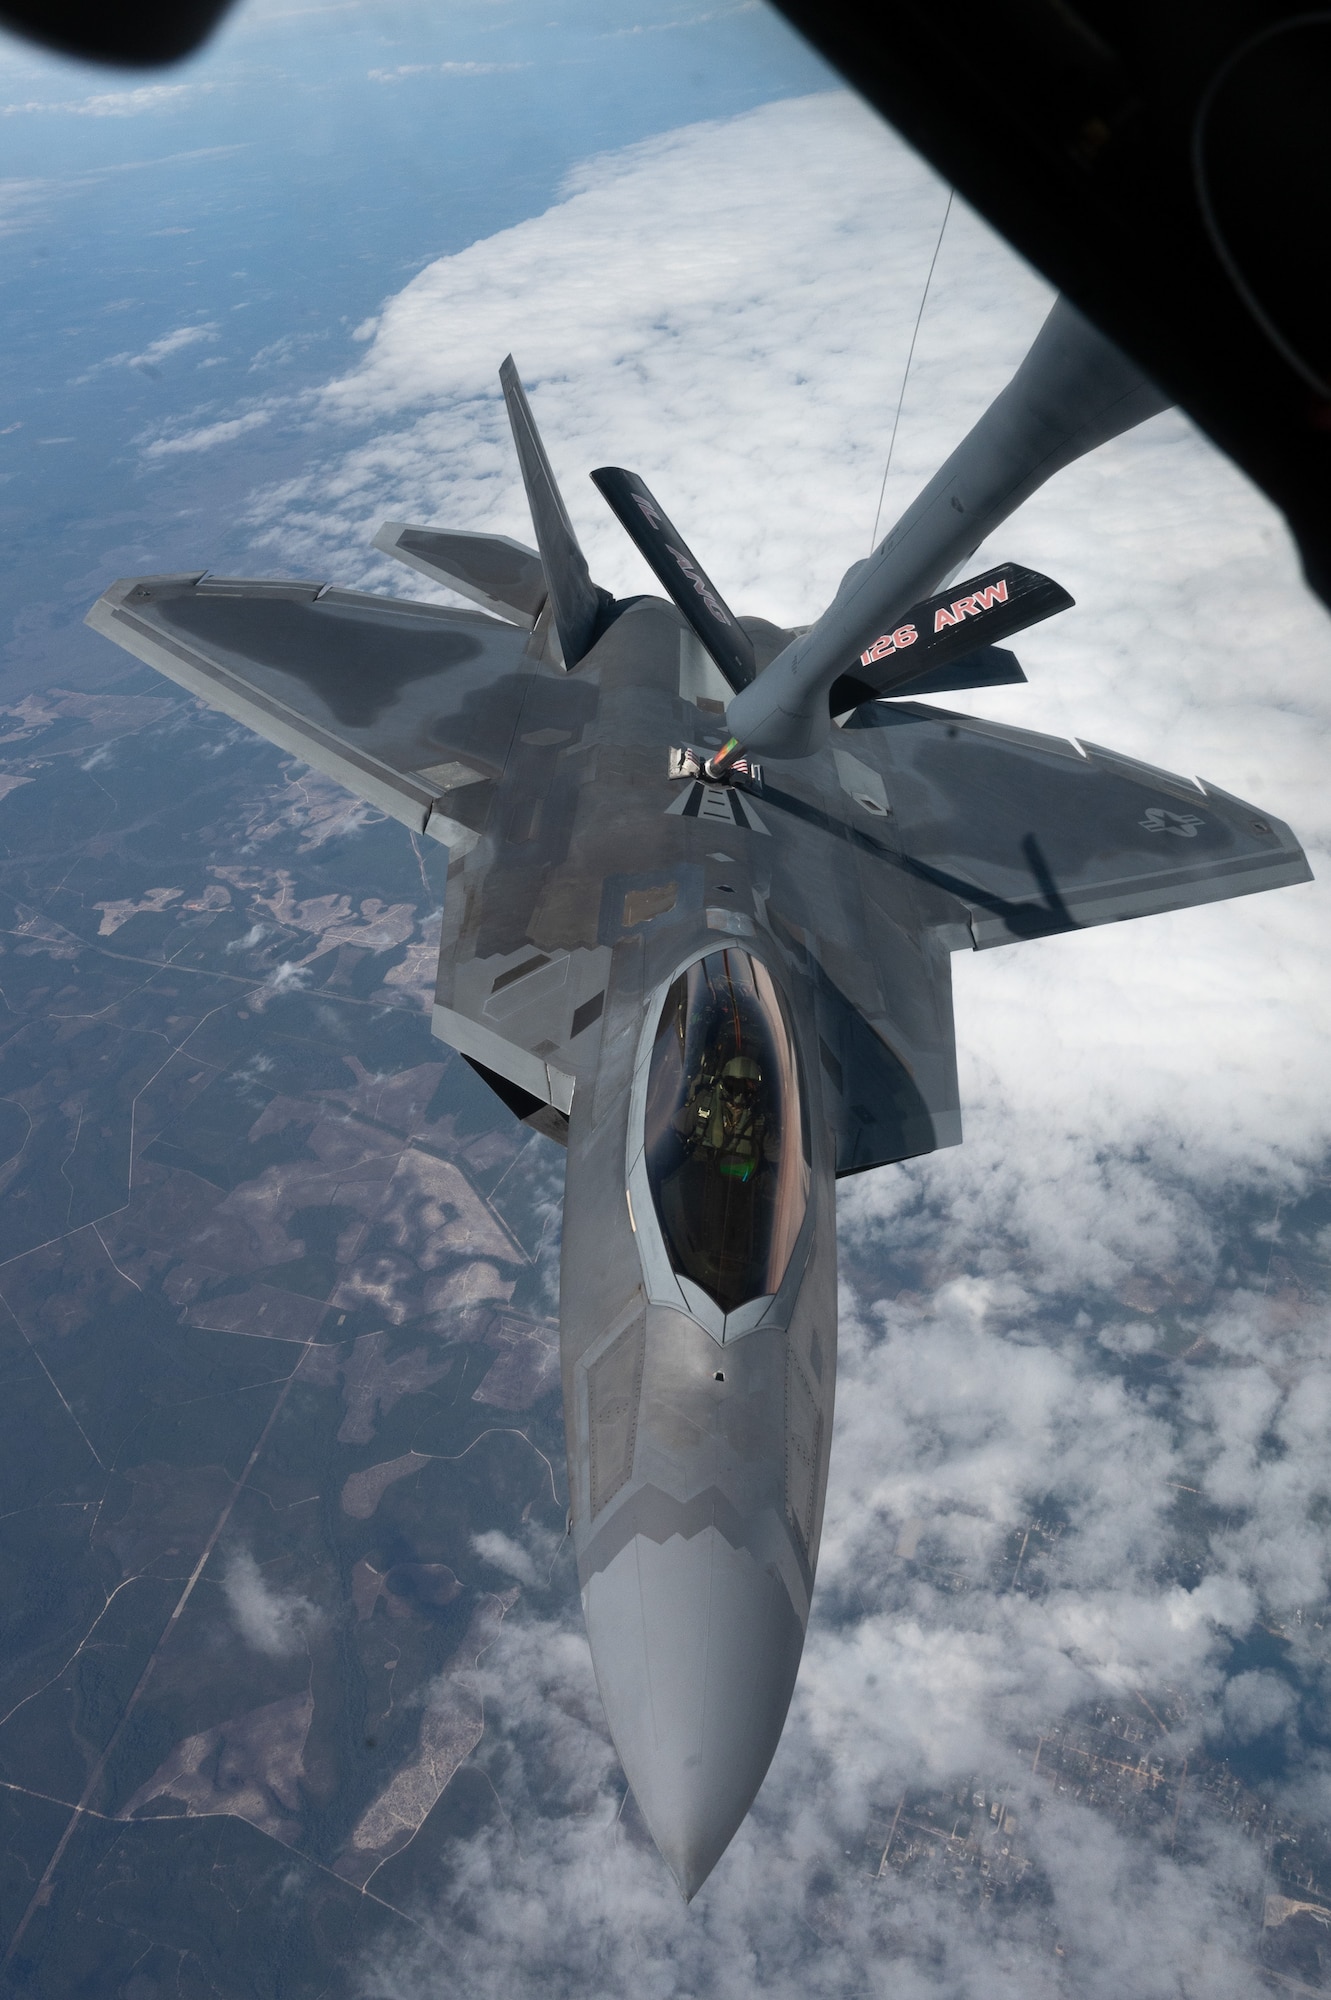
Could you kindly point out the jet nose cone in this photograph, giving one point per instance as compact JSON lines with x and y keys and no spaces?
{"x":696,"y":1647}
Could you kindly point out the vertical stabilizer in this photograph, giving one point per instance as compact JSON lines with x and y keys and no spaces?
{"x":675,"y":565}
{"x":578,"y":606}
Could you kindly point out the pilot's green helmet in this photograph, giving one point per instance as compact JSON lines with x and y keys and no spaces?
{"x":743,"y":1067}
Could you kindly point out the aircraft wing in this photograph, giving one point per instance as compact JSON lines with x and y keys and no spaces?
{"x":1036,"y":834}
{"x":441,"y":718}
{"x":410,"y":706}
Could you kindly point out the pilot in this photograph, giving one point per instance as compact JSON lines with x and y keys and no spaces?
{"x":723,"y":1117}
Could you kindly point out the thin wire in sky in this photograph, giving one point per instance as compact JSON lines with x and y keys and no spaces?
{"x":924,"y":299}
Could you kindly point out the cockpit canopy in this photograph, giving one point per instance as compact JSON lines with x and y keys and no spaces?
{"x":726,"y":1146}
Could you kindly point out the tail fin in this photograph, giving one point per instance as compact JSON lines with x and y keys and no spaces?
{"x":578,"y":606}
{"x":928,"y":638}
{"x":676,"y":566}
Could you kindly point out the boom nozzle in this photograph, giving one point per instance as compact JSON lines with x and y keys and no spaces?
{"x":717,"y":767}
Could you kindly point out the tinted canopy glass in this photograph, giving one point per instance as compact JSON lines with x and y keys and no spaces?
{"x":725,"y":1143}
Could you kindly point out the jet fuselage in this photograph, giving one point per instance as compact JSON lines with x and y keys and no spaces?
{"x":721,"y":987}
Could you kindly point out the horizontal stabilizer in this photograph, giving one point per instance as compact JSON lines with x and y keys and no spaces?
{"x":491,"y":570}
{"x":675,"y":567}
{"x":579,"y":608}
{"x":941,"y":633}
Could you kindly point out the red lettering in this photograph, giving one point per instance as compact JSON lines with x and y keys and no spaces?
{"x":890,"y":642}
{"x":943,"y":618}
{"x":992,"y":594}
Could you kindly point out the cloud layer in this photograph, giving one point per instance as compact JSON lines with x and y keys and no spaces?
{"x":1081,"y":1460}
{"x":109,"y":103}
{"x":271,"y":1621}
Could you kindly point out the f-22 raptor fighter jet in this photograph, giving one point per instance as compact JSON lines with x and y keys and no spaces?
{"x":704,"y":879}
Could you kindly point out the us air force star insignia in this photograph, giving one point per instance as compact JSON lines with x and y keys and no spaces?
{"x":1160,"y":820}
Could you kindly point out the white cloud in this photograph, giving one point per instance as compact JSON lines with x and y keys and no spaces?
{"x":156,"y":352}
{"x":207,"y":436}
{"x":684,"y":21}
{"x":288,"y":977}
{"x":172,"y":343}
{"x":563,"y":1891}
{"x":110,"y":103}
{"x":1068,"y":1351}
{"x":270,"y":1621}
{"x":1256,"y":1702}
{"x":402,"y":70}
{"x":260,"y":12}
{"x":247,"y":942}
{"x":503,"y":1553}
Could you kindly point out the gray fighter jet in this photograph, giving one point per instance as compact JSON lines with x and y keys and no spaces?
{"x":704,"y":879}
